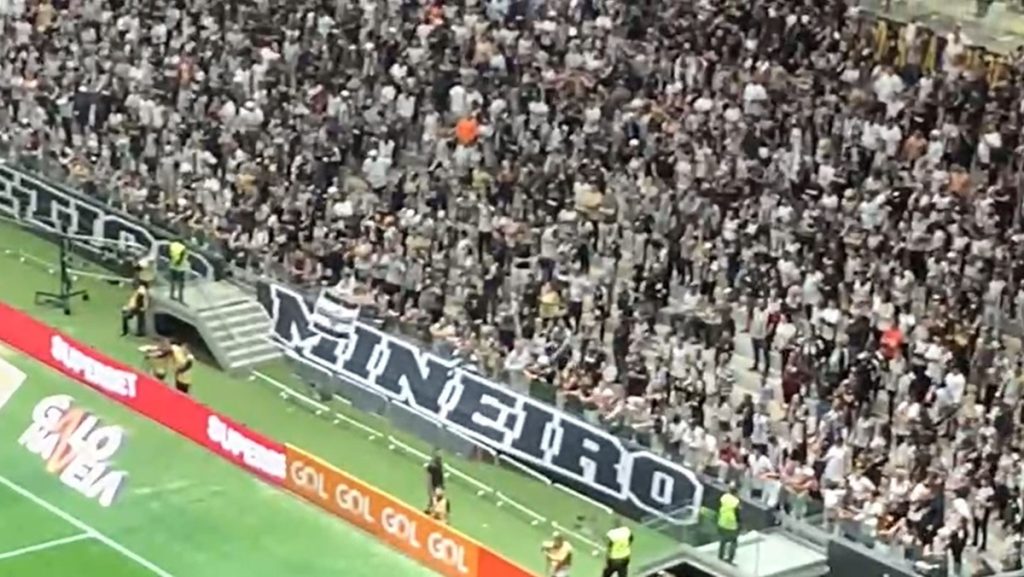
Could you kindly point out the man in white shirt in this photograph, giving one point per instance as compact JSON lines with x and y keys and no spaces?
{"x":757,"y":328}
{"x":763,"y":477}
{"x":835,"y":462}
{"x":888,"y":86}
{"x":761,"y":431}
{"x":955,"y":382}
{"x":784,"y":337}
{"x":376,"y":172}
{"x":457,"y":105}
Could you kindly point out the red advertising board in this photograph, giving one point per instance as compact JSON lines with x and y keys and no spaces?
{"x":144,"y":395}
{"x":434,"y":545}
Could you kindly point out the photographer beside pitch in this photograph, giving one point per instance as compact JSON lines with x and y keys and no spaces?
{"x":135,"y":308}
{"x":558,"y":552}
{"x":435,"y":476}
{"x":182,"y":360}
{"x":158,"y":358}
{"x":438,"y":506}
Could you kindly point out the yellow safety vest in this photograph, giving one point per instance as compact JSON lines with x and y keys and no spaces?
{"x":727,"y":508}
{"x":620,"y":546}
{"x":178,"y":260}
{"x":181,"y":358}
{"x":139,"y":299}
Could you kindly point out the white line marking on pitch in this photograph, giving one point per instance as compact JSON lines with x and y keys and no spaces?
{"x":44,"y":546}
{"x":82,"y":526}
{"x":11,"y":378}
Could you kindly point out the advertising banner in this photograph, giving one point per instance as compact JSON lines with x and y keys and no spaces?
{"x":144,"y":395}
{"x":405,"y":528}
{"x":95,"y":227}
{"x":563,"y":447}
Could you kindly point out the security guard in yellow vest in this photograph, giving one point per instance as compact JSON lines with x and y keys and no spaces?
{"x":182,"y":360}
{"x":559,"y":555}
{"x":179,"y":266}
{"x":728,"y":524}
{"x":136,"y":307}
{"x":620,"y":545}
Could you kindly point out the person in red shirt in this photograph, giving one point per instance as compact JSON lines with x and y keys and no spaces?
{"x":891,"y":341}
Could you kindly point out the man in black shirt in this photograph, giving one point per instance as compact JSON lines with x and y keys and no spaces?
{"x":435,"y":476}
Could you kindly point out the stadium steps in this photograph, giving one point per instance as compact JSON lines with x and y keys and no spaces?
{"x":230,"y":321}
{"x":766,"y":554}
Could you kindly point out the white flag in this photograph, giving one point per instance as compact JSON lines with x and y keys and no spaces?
{"x":334,"y":314}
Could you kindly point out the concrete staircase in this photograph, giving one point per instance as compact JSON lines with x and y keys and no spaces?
{"x":771,"y":553}
{"x":230,"y":320}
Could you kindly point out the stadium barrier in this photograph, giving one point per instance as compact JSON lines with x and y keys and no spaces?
{"x":451,"y":471}
{"x":452,"y":406}
{"x":434,"y":545}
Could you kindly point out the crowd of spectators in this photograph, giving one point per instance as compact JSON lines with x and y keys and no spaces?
{"x":610,"y":199}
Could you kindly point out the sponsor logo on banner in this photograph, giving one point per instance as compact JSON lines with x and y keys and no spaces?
{"x":76,"y":447}
{"x":95,"y":226}
{"x":91,"y":370}
{"x":333,"y":315}
{"x":533,"y":433}
{"x":236,"y":443}
{"x":403,"y":527}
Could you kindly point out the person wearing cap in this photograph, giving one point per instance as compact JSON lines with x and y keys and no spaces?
{"x":558,"y":553}
{"x":620,"y":544}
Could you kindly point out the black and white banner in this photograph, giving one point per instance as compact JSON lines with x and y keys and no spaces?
{"x":553,"y":443}
{"x":94,"y":228}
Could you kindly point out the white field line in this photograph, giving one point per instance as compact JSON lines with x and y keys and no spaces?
{"x":10,"y":378}
{"x":44,"y":546}
{"x":84,"y":527}
{"x":168,"y":488}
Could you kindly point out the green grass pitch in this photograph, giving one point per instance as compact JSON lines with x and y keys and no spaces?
{"x":181,"y":511}
{"x":233,"y":527}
